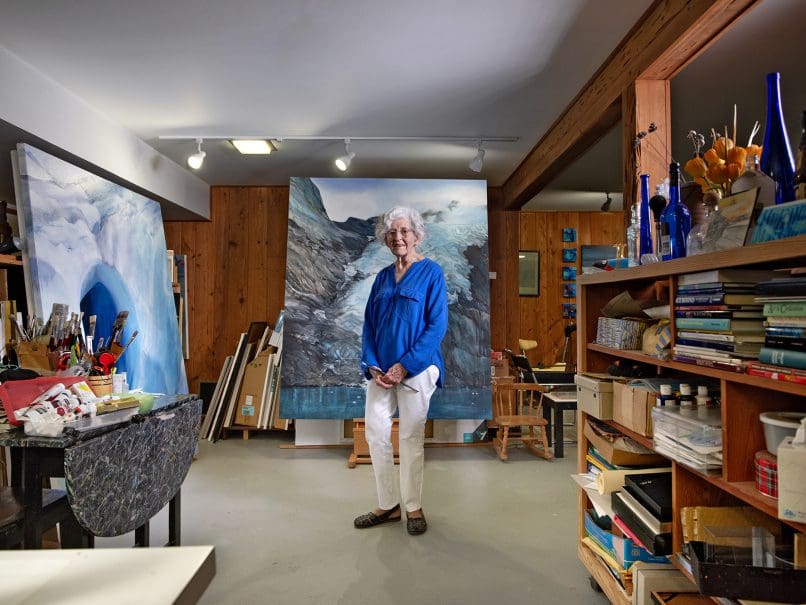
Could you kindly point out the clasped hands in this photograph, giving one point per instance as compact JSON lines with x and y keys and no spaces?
{"x":391,"y":378}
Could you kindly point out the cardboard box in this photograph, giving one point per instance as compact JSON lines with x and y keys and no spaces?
{"x":253,"y":386}
{"x":595,"y":395}
{"x":500,"y":367}
{"x":791,"y":486}
{"x":614,"y":454}
{"x":632,"y":408}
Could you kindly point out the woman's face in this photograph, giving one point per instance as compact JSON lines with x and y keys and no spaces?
{"x":401,"y":238}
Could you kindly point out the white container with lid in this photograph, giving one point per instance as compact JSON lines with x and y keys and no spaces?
{"x":777,"y":426}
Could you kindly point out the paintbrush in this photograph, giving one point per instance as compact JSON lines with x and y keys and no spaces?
{"x":126,"y":346}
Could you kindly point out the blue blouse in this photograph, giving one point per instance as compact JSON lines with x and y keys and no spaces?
{"x":405,"y":322}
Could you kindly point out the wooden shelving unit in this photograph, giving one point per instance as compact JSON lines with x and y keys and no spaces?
{"x":744,"y":397}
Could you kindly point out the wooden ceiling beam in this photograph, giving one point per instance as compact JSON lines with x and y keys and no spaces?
{"x":665,"y":39}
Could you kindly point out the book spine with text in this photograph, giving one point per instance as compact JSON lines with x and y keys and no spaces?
{"x":781,"y":342}
{"x":702,"y":323}
{"x":794,"y":308}
{"x":777,"y":374}
{"x":783,"y":357}
{"x":710,"y":363}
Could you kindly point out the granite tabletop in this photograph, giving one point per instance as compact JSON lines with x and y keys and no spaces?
{"x":86,"y":428}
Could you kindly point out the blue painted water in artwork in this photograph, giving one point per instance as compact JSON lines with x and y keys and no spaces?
{"x":100,"y":248}
{"x":348,"y":402}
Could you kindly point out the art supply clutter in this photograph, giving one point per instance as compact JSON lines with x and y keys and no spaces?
{"x":60,"y":345}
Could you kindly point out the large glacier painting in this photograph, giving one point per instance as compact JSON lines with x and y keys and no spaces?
{"x":332,"y":260}
{"x":100,"y":248}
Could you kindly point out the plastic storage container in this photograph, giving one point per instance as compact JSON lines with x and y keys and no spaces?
{"x":690,"y":437}
{"x":778,"y":425}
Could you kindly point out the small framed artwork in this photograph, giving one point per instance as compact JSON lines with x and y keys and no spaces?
{"x":569,"y":310}
{"x":569,"y":290}
{"x":569,"y":273}
{"x":569,"y":255}
{"x":528,"y":273}
{"x":569,"y":234}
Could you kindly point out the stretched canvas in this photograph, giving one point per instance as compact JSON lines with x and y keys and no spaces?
{"x":100,"y":248}
{"x":333,"y":258}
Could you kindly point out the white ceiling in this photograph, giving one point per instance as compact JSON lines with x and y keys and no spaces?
{"x":316,"y":67}
{"x":363,"y":68}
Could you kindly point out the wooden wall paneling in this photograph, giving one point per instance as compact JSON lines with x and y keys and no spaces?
{"x":496,"y":229}
{"x":277,"y":248}
{"x":227,"y":307}
{"x":198,"y":243}
{"x":511,"y":243}
{"x":644,"y":102}
{"x":667,"y":36}
{"x":257,"y":259}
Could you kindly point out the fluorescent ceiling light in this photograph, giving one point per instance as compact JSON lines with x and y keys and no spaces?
{"x":253,"y":146}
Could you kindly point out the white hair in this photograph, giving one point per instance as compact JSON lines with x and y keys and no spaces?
{"x":384,"y":224}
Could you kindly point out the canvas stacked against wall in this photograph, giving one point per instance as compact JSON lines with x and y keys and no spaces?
{"x":247,"y":393}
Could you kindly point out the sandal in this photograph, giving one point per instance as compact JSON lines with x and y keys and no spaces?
{"x":416,"y":525}
{"x":371,"y":519}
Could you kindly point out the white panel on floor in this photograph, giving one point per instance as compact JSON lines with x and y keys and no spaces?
{"x":319,"y":432}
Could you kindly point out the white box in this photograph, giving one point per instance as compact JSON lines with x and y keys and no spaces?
{"x":595,"y":395}
{"x":791,"y":486}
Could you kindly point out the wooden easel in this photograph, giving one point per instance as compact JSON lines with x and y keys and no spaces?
{"x":360,"y":453}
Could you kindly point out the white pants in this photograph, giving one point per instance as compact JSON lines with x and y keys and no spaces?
{"x":413,"y":411}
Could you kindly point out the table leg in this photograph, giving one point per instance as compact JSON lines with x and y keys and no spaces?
{"x":558,"y":430}
{"x":32,"y":498}
{"x":175,"y":519}
{"x":547,"y":417}
{"x":141,"y":535}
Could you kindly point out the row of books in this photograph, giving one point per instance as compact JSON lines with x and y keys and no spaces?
{"x":743,"y":321}
{"x":718,"y":320}
{"x":783,"y":356}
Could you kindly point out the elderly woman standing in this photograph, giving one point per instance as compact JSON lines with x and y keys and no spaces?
{"x":405,"y":320}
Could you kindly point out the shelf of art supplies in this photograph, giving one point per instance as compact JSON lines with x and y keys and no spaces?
{"x":759,"y":381}
{"x":743,"y":397}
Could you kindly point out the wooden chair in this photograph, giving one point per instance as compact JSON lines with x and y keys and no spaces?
{"x":518,"y":404}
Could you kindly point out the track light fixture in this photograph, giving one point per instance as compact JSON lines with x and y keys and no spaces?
{"x":265,"y":144}
{"x":477,"y":163}
{"x":343,"y":162}
{"x":608,"y":201}
{"x":196,"y":160}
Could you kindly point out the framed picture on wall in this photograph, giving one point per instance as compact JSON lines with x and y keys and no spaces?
{"x":569,"y":310}
{"x":569,"y":255}
{"x":528,"y":273}
{"x":569,"y":273}
{"x":569,"y":234}
{"x":569,"y":290}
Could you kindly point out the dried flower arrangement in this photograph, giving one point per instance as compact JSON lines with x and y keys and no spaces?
{"x":719,"y":167}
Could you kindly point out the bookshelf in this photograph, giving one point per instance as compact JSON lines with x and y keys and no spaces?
{"x":744,"y":397}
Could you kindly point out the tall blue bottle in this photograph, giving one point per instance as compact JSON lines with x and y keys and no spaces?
{"x":675,"y":219}
{"x":645,"y":245}
{"x":776,"y":155}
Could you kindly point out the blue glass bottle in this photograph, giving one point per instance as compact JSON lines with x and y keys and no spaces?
{"x":776,"y":155}
{"x":645,"y":245}
{"x":676,"y":219}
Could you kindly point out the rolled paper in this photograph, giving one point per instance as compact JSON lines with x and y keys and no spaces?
{"x":612,"y":481}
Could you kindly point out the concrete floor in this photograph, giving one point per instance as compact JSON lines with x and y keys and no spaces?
{"x":281,"y":524}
